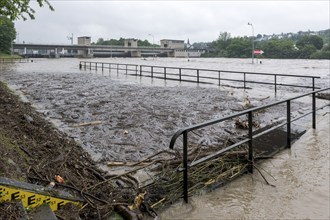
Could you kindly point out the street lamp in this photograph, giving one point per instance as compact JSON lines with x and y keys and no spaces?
{"x":252,"y":41}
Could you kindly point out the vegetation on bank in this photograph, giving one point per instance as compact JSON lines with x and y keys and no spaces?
{"x":7,"y":34}
{"x":4,"y":55}
{"x":304,"y":47}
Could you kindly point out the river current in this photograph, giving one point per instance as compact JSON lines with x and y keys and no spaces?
{"x":301,"y":174}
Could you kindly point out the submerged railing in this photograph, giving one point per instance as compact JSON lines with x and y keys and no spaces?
{"x":249,"y":112}
{"x":14,"y":60}
{"x":196,"y":75}
{"x":128,"y":69}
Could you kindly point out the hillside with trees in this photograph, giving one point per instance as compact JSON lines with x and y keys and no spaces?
{"x":302,"y":45}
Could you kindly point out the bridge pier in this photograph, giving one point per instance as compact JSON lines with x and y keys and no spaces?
{"x":136,"y":53}
{"x":86,"y":53}
{"x":170,"y":54}
{"x":56,"y":55}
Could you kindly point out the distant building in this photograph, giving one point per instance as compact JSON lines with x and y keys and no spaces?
{"x":172,"y":44}
{"x":130,"y":42}
{"x":84,"y":40}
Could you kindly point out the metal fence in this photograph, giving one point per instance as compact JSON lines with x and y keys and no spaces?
{"x":14,"y":60}
{"x":203,"y":76}
{"x":184,"y":133}
{"x":128,"y":69}
{"x":208,"y":76}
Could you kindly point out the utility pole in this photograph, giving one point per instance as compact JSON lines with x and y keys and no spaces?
{"x":252,"y":41}
{"x":71,"y":38}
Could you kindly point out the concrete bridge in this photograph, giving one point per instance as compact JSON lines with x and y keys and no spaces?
{"x":89,"y":51}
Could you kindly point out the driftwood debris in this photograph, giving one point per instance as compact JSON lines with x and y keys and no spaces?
{"x":244,"y":124}
{"x":87,"y":123}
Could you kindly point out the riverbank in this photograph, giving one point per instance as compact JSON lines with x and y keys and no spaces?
{"x":33,"y":150}
{"x":4,"y":55}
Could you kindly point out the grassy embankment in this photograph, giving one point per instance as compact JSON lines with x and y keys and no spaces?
{"x":4,"y":55}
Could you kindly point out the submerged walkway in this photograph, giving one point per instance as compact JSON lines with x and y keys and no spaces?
{"x":299,"y":193}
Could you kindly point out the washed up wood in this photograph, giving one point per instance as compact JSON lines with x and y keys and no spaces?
{"x":118,"y":164}
{"x":244,"y":124}
{"x":87,"y":123}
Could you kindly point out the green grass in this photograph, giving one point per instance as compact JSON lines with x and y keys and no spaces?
{"x":4,"y":55}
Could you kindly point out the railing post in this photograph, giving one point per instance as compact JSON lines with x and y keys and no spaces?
{"x":219,"y":76}
{"x":102,"y":67}
{"x":141,"y":70}
{"x":126,"y":69}
{"x":165,"y":73}
{"x":275,"y":84}
{"x":109,"y":67}
{"x":250,"y":142}
{"x":314,"y":110}
{"x":288,"y":121}
{"x":244,"y":81}
{"x":180,"y":77}
{"x":96,"y":66}
{"x":90,"y":65}
{"x":313,"y":82}
{"x":185,"y":166}
{"x":80,"y":65}
{"x":85,"y":65}
{"x":152,"y":72}
{"x":197,"y":75}
{"x":136,"y":69}
{"x":117,"y":68}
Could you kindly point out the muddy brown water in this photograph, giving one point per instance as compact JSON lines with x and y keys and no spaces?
{"x":139,"y":115}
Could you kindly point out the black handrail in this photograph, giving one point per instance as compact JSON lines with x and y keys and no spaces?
{"x":13,"y":60}
{"x":110,"y":66}
{"x":249,"y":140}
{"x":218,"y":79}
{"x":161,"y":72}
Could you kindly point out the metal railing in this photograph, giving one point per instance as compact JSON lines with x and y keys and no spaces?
{"x":128,"y":69}
{"x":14,"y":60}
{"x":205,"y":76}
{"x":249,"y":112}
{"x":208,"y":76}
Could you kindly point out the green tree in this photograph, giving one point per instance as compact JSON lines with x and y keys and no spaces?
{"x":322,"y":54}
{"x":239,"y":47}
{"x":14,"y":9}
{"x":307,"y":51}
{"x":314,"y":40}
{"x":222,"y":43}
{"x":7,"y":34}
{"x":279,"y":48}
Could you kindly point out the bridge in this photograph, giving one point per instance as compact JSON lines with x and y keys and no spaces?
{"x":89,"y":51}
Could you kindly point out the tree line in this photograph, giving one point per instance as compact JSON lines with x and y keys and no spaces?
{"x":120,"y":42}
{"x":306,"y":47}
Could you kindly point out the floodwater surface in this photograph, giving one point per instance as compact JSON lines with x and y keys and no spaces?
{"x":135,"y":117}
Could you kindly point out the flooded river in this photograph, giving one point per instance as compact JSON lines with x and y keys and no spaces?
{"x":138,"y":116}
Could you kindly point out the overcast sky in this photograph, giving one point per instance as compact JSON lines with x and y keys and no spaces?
{"x":156,"y":20}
